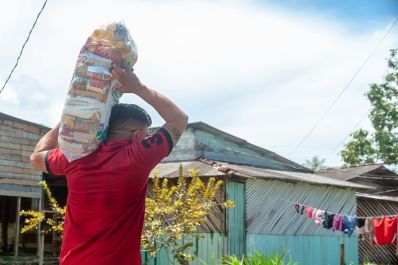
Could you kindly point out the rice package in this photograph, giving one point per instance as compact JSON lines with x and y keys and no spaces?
{"x":93,"y":90}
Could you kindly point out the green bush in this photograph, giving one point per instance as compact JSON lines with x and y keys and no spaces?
{"x":274,"y":258}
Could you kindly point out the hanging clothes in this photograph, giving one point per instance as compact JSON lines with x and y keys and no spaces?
{"x":361,"y":222}
{"x":338,"y":223}
{"x":384,"y":231}
{"x":368,"y":231}
{"x":350,"y":223}
{"x":302,"y":209}
{"x":319,"y":217}
{"x":360,"y":227}
{"x":297,"y":207}
{"x":313,"y":216}
{"x":308,"y":211}
{"x":328,"y":222}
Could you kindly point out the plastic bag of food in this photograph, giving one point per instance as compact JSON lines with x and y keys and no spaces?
{"x":93,"y":90}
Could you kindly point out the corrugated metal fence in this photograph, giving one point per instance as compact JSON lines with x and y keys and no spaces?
{"x":273,"y":224}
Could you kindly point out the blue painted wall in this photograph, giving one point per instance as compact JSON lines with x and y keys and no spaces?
{"x":236,"y":219}
{"x":209,"y":249}
{"x":307,"y":250}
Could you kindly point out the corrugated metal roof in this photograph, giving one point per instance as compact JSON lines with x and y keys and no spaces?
{"x":346,"y":173}
{"x":243,"y":143}
{"x":171,"y":169}
{"x":384,"y":181}
{"x":214,"y":168}
{"x":377,"y":197}
{"x":295,"y":176}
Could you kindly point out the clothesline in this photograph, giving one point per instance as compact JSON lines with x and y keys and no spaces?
{"x":301,"y":204}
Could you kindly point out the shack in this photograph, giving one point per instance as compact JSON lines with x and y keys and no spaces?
{"x":264,"y":186}
{"x":19,"y":183}
{"x":379,"y":201}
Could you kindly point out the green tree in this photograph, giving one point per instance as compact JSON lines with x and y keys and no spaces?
{"x":382,"y":144}
{"x":314,"y":163}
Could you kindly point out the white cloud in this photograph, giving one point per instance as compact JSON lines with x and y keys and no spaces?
{"x":265,"y":75}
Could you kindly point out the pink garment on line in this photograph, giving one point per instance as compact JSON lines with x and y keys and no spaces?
{"x":308,"y":212}
{"x":338,"y":223}
{"x":319,"y":217}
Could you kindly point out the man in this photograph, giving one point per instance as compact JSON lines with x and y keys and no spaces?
{"x":107,"y":189}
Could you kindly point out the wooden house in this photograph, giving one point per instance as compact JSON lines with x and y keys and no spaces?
{"x":19,"y":182}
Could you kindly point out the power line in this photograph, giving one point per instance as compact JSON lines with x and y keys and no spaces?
{"x":345,"y":88}
{"x":345,"y":138}
{"x":23,"y":46}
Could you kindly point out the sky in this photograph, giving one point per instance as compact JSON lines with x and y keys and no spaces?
{"x":264,"y":71}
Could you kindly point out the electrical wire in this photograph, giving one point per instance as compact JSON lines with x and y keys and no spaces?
{"x":23,"y":46}
{"x":344,"y":89}
{"x":308,"y":206}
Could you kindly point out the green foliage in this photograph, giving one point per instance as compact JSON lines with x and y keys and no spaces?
{"x":360,"y":149}
{"x":274,"y":258}
{"x":382,"y":145}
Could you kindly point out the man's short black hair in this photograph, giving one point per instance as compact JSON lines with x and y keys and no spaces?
{"x":122,"y":112}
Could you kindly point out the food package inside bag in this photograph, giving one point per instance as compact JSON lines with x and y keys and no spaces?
{"x":93,"y":90}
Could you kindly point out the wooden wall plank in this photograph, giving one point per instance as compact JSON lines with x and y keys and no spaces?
{"x":10,"y":131}
{"x":24,"y":127}
{"x":19,"y":164}
{"x":14,"y":152}
{"x":36,"y":176}
{"x":17,"y":146}
{"x":14,"y":157}
{"x":19,"y":170}
{"x":17,"y":140}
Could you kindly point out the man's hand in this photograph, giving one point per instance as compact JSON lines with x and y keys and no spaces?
{"x":176,"y":119}
{"x":129,"y":81}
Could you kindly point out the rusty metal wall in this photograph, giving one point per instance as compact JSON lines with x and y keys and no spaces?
{"x":376,"y":254}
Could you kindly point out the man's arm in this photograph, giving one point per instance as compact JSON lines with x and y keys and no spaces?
{"x":176,"y":119}
{"x":47,"y":142}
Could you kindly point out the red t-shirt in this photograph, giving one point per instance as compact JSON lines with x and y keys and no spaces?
{"x":106,"y":199}
{"x":385,"y":230}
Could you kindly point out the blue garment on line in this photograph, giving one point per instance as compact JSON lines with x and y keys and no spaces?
{"x":349,"y":224}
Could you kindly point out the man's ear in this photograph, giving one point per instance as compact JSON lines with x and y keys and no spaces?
{"x":137,"y":136}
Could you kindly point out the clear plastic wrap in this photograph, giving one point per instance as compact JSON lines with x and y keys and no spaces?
{"x":93,"y":90}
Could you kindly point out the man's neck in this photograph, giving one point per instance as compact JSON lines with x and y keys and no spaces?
{"x":118,"y":137}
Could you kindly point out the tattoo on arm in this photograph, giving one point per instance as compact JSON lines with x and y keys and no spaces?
{"x":174,"y":133}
